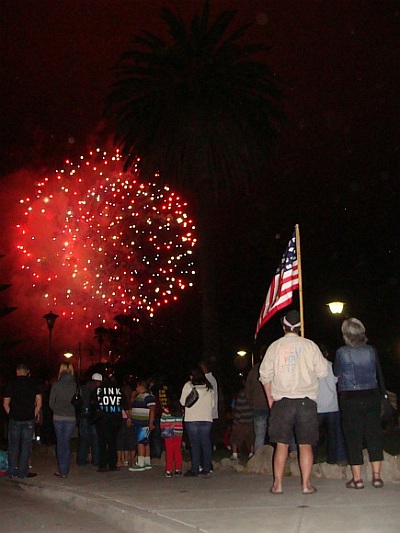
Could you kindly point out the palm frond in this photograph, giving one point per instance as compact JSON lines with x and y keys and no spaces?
{"x":197,"y":108}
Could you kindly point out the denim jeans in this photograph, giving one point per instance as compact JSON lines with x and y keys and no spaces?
{"x":20,"y":435}
{"x":64,"y":430}
{"x":88,"y":441}
{"x":260,"y":417}
{"x":200,"y":445}
{"x":335,"y":447}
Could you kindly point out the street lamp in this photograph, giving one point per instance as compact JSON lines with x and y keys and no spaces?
{"x":50,"y":319}
{"x":241,"y":361}
{"x":336,"y":308}
{"x":243,"y":353}
{"x":69,"y":354}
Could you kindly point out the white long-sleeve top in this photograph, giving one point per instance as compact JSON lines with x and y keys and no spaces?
{"x":202,"y":410}
{"x":214,"y":384}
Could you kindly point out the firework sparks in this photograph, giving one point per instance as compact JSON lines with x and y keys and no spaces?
{"x":114,"y":246}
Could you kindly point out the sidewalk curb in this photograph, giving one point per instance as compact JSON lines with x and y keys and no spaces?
{"x":129,"y":518}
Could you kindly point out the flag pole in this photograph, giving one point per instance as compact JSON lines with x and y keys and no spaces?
{"x":298,"y":250}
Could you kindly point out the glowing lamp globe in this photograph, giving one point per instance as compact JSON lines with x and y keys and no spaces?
{"x":336,"y":308}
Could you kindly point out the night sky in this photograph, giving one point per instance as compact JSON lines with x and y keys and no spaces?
{"x":334,"y":171}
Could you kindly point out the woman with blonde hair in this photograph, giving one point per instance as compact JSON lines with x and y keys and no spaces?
{"x":359,"y":400}
{"x":64,"y":420}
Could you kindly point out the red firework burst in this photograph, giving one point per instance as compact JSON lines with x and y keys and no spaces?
{"x":98,"y":242}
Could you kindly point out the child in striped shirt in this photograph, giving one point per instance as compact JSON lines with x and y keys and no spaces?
{"x":143,"y":411}
{"x":242,"y":425}
{"x":171,"y":424}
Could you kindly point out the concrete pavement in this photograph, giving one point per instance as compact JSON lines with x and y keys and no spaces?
{"x":228,"y":501}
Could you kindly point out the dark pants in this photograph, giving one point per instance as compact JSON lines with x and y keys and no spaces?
{"x":88,"y":441}
{"x":335,"y":447}
{"x":20,"y":435}
{"x":107,"y":428}
{"x":362,"y":425}
{"x":260,"y":418}
{"x":156,"y":445}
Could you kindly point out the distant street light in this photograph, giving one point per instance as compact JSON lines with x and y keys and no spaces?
{"x":336,"y":308}
{"x":70,"y":354}
{"x":243,"y":353}
{"x":50,"y":319}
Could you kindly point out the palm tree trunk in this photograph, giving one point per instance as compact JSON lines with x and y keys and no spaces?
{"x":207,"y":264}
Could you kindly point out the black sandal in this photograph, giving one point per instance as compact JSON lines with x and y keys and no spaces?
{"x":376,"y":480}
{"x":355,"y":484}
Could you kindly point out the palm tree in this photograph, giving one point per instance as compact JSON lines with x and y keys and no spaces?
{"x":198,"y":111}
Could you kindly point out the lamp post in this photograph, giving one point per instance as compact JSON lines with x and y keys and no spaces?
{"x":243,"y":353}
{"x":50,"y":319}
{"x":241,"y":361}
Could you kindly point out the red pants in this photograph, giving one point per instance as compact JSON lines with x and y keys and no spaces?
{"x":173,"y":453}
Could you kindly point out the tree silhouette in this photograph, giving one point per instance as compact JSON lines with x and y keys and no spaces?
{"x":203,"y":116}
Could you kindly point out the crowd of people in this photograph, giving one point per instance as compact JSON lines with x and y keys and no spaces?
{"x":284,"y":401}
{"x":119,"y":424}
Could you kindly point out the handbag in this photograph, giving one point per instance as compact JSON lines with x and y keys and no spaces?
{"x":387,"y":410}
{"x":192,"y":397}
{"x":77,"y":402}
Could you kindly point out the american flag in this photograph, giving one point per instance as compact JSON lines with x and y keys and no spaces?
{"x":286,"y":281}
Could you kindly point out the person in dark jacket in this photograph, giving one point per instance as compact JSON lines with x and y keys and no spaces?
{"x":110,"y":402}
{"x":88,"y":439}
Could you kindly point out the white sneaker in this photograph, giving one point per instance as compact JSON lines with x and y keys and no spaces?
{"x":148,"y":467}
{"x":234,"y":458}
